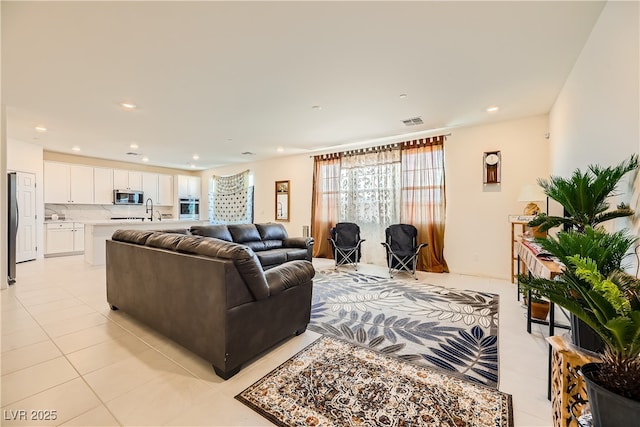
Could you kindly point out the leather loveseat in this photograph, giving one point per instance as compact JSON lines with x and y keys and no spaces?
{"x":270,"y":241}
{"x":210,"y":296}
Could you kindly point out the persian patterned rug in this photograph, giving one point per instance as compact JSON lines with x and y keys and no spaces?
{"x":336,"y":383}
{"x":455,"y":330}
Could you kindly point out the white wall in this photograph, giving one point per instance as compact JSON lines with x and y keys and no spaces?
{"x":27,"y":157}
{"x":478,"y":233}
{"x":596,"y":117}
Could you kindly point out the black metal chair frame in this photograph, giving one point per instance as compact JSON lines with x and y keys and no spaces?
{"x":399,"y":263}
{"x":343,"y":254}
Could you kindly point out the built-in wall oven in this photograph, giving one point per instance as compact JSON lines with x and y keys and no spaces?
{"x":189,"y":209}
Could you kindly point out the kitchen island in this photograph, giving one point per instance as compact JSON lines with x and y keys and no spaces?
{"x":97,"y":232}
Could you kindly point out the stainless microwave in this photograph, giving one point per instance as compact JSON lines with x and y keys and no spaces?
{"x":128,"y":197}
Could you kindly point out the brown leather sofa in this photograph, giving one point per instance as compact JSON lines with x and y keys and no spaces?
{"x":208,"y":295}
{"x":270,"y":241}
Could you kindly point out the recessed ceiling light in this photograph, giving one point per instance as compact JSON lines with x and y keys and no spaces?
{"x":280,"y":149}
{"x":75,"y":148}
{"x":195,"y":157}
{"x":41,"y":129}
{"x":145,"y":159}
{"x":316,"y":107}
{"x":193,"y":166}
{"x":133,"y":146}
{"x":492,"y":109}
{"x":128,"y":105}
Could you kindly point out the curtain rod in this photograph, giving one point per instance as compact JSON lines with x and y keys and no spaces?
{"x":383,"y":147}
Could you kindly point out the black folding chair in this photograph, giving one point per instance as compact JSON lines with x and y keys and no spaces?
{"x":345,"y":240}
{"x":402,"y":248}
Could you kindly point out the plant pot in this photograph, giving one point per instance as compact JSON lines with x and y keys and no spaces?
{"x":607,"y":408}
{"x":584,"y":336}
{"x":539,"y":310}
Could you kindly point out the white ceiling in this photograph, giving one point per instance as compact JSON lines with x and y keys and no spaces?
{"x":221,"y":78}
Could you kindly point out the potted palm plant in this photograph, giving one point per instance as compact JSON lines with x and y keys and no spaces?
{"x":584,"y":197}
{"x":594,"y":288}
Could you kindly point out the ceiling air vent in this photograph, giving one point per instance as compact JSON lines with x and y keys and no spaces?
{"x":413,"y":122}
{"x":131,"y":153}
{"x":248,"y":153}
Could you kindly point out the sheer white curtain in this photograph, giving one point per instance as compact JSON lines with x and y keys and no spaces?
{"x":370,"y":197}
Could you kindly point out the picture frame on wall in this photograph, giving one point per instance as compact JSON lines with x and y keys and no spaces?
{"x":283,"y":201}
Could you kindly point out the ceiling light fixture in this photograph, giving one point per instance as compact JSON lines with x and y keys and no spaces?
{"x":145,"y":159}
{"x":133,"y":146}
{"x":193,"y":166}
{"x":280,"y":149}
{"x":41,"y":129}
{"x":492,"y":109}
{"x":75,"y":148}
{"x":128,"y":105}
{"x":196,"y":157}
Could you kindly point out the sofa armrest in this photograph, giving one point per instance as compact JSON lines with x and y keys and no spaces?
{"x":288,"y":275}
{"x":298,"y":242}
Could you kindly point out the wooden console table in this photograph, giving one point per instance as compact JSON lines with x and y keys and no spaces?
{"x":568,"y":387}
{"x":546,"y":269}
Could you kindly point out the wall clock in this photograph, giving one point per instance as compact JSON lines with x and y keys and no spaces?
{"x":491,"y":167}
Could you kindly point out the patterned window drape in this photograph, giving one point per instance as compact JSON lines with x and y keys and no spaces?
{"x":423,"y":198}
{"x":324,"y":202}
{"x":231,"y":199}
{"x":379,"y":187}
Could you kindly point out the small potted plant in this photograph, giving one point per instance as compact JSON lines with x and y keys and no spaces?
{"x":594,"y":288}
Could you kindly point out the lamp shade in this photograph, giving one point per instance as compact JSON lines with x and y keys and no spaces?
{"x":531,"y":193}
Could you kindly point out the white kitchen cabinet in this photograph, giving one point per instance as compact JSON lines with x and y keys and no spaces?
{"x":64,"y":238}
{"x":150,"y":186}
{"x":188,"y":187}
{"x":127,"y":180}
{"x":78,"y":237}
{"x":165,"y":190}
{"x":103,"y":186}
{"x":68,"y":183}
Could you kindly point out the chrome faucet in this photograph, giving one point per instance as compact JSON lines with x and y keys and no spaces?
{"x":147,"y":210}
{"x":159,"y":215}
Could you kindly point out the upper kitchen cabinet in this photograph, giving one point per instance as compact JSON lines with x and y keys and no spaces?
{"x":150,"y":186}
{"x":188,"y":187}
{"x":127,"y":180}
{"x":103,"y":186}
{"x":158,"y":187}
{"x":68,"y":183}
{"x":165,"y":190}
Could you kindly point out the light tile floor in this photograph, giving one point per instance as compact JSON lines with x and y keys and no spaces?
{"x":66,"y":355}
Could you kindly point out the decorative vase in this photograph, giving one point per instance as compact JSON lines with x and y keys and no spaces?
{"x":539,"y":310}
{"x":608,"y":409}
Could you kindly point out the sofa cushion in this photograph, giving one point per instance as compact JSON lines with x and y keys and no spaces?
{"x":296,"y":253}
{"x":139,"y":237}
{"x":243,"y":233}
{"x":218,"y":231}
{"x":272,"y":257}
{"x":244,"y":259}
{"x":163,"y":240}
{"x":272,"y":231}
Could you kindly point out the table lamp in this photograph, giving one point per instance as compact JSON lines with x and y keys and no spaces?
{"x":532,"y":193}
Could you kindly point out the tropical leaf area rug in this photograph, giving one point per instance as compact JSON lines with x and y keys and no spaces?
{"x":455,"y":330}
{"x":336,"y":383}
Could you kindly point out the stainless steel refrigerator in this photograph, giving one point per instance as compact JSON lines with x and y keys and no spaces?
{"x":12,"y":220}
